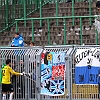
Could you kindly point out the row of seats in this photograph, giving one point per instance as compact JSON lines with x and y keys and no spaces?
{"x":57,"y":32}
{"x":58,"y":39}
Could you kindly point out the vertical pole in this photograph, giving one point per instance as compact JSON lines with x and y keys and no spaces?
{"x":73,"y":12}
{"x":68,"y":73}
{"x":26,"y":80}
{"x":65,"y":32}
{"x":0,"y":2}
{"x":22,"y":7}
{"x":48,"y":22}
{"x":38,"y":75}
{"x":16,"y":26}
{"x":41,"y":13}
{"x":36,"y":4}
{"x":6,"y":13}
{"x":14,"y":9}
{"x":57,"y":11}
{"x":24,"y":1}
{"x":4,"y":3}
{"x":31,"y":5}
{"x":81,"y":41}
{"x":90,"y":13}
{"x":33,"y":30}
{"x":96,"y":37}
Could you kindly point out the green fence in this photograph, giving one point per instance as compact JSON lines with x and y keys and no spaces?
{"x":48,"y":19}
{"x":12,"y":9}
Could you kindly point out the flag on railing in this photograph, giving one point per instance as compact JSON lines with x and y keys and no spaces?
{"x":87,"y":64}
{"x":53,"y":73}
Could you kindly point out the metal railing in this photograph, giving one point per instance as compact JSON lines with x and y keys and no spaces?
{"x":64,"y":26}
{"x":18,"y":9}
{"x":10,"y":10}
{"x":79,"y":80}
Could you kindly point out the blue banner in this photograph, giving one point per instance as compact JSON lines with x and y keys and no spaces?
{"x":53,"y":73}
{"x":87,"y":66}
{"x":86,"y":75}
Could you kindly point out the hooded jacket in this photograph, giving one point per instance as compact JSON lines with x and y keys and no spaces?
{"x":18,"y":42}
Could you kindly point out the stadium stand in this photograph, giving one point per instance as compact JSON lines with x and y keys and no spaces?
{"x":56,"y":32}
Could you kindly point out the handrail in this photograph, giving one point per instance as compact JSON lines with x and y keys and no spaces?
{"x":23,"y":17}
{"x":8,"y":26}
{"x":64,"y":20}
{"x":61,"y":17}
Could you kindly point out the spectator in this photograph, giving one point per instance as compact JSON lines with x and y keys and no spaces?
{"x":18,"y":40}
{"x":31,"y":43}
{"x":31,"y":57}
{"x":98,"y":5}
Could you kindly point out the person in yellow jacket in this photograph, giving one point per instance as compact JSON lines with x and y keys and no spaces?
{"x":6,"y":80}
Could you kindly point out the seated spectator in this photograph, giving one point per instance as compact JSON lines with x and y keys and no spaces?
{"x":18,"y":40}
{"x":98,"y":5}
{"x":31,"y":43}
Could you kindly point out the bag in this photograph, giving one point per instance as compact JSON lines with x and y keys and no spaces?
{"x":1,"y":73}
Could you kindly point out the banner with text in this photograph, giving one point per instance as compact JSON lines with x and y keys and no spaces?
{"x":87,"y":65}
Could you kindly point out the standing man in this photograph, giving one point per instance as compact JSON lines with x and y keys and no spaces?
{"x":6,"y":77}
{"x":18,"y":40}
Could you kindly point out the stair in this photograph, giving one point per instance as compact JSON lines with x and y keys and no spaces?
{"x":56,"y":32}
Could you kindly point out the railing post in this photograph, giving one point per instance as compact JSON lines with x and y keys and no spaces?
{"x":69,"y":75}
{"x":16,"y":26}
{"x":90,"y":12}
{"x":65,"y":32}
{"x":24,"y":1}
{"x":96,"y":37}
{"x":33,"y":30}
{"x":73,"y":12}
{"x":81,"y":40}
{"x":36,"y":4}
{"x":57,"y":11}
{"x":26,"y":80}
{"x":41,"y":13}
{"x":6,"y":2}
{"x":38,"y":75}
{"x":48,"y":21}
{"x":14,"y":10}
{"x":0,"y":3}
